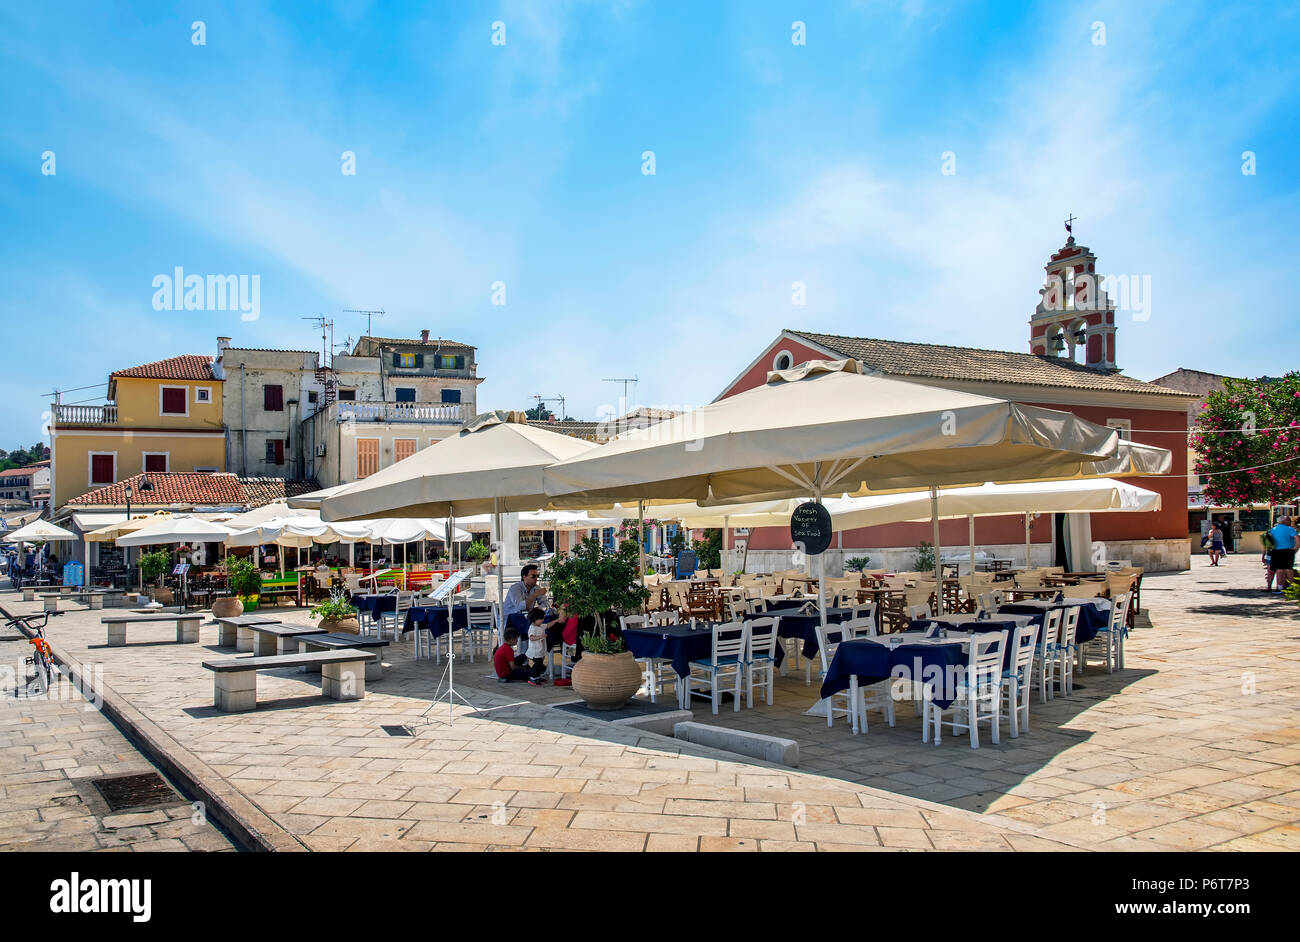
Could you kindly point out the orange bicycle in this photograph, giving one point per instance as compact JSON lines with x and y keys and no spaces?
{"x":41,"y":660}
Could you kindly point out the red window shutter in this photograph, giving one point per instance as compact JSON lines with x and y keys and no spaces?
{"x":154,"y":463}
{"x":101,"y":469}
{"x":273,"y":398}
{"x":279,"y":449}
{"x":173,"y":401}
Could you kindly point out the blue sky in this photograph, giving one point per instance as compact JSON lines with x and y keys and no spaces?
{"x":522,"y":163}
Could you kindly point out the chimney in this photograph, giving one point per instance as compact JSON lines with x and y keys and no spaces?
{"x":424,"y":336}
{"x":218,"y":368}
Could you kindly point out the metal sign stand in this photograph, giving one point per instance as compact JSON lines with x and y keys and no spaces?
{"x":448,"y":589}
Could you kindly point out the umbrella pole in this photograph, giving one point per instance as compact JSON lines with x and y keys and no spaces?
{"x":821,"y":578}
{"x":640,"y":545}
{"x":352,"y":555}
{"x":970,"y":521}
{"x":938,"y":566}
{"x":726,"y":537}
{"x":501,"y":555}
{"x":1026,"y":539}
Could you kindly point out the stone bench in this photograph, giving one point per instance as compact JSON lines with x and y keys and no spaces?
{"x":93,"y":598}
{"x":236,"y":630}
{"x":343,"y":676}
{"x":341,"y":640}
{"x":755,"y":745}
{"x":275,"y":638}
{"x":187,"y":626}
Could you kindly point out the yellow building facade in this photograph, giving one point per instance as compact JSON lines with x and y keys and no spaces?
{"x":163,"y":416}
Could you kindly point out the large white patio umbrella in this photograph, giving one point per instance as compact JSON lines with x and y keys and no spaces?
{"x":176,"y":530}
{"x":39,"y":531}
{"x":823,"y":427}
{"x":494,"y":464}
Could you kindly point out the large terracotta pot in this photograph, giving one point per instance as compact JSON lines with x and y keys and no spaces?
{"x":227,"y":607}
{"x":606,"y":681}
{"x":346,"y":625}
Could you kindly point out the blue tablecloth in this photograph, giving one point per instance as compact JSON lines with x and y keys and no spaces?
{"x":874,"y":661}
{"x":676,"y":643}
{"x":1094,"y":614}
{"x":795,"y":624}
{"x":968,"y":624}
{"x":434,"y":618}
{"x":375,"y":605}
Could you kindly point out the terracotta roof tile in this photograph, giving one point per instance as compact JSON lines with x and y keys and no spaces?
{"x":901,"y":358}
{"x":200,"y":488}
{"x":187,"y":366}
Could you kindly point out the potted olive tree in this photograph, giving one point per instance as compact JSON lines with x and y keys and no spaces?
{"x":245,"y":581}
{"x":153,"y":566}
{"x":595,"y":585}
{"x":476,"y":552}
{"x":337,"y":613}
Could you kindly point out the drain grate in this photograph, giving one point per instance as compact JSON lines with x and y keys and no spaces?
{"x":135,"y":791}
{"x":396,"y":730}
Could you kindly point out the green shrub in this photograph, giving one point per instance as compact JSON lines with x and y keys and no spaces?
{"x":924,"y":561}
{"x":242,"y":576}
{"x":154,"y":565}
{"x":857,"y":563}
{"x":336,"y":606}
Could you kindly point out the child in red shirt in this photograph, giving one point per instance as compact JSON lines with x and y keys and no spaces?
{"x":511,"y":667}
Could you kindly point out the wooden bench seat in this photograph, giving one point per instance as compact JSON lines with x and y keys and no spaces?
{"x":234,"y":630}
{"x":343,"y":676}
{"x":187,"y":626}
{"x":341,"y":640}
{"x":275,"y":638}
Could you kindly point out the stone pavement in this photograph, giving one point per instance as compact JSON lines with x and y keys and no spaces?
{"x":1193,"y":746}
{"x":51,"y":747}
{"x":507,"y":774}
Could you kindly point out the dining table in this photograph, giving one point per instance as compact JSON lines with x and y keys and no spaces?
{"x":1094,"y":614}
{"x":801,"y":621}
{"x":907,"y":655}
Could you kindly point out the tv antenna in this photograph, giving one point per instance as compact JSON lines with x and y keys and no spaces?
{"x":557,"y":398}
{"x":625,"y":381}
{"x":369,"y":315}
{"x":324,"y":323}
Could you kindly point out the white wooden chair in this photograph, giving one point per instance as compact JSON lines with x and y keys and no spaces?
{"x":980,"y":686}
{"x":1066,"y":650}
{"x":760,"y":657}
{"x":1108,"y":645}
{"x":828,"y":643}
{"x":481,"y":630}
{"x":1045,"y":654}
{"x":727,"y":659}
{"x":398,"y":616}
{"x":918,"y":611}
{"x":863,"y":610}
{"x":878,"y":696}
{"x":1018,"y":679}
{"x":659,"y":671}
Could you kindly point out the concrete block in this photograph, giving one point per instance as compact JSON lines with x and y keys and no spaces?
{"x":226,"y":636}
{"x":755,"y":745}
{"x":51,"y":603}
{"x":117,"y":634}
{"x":29,"y":595}
{"x":187,"y":631}
{"x":343,"y":680}
{"x":235,"y":691}
{"x":243,"y":639}
{"x":264,"y":645}
{"x":96,"y":601}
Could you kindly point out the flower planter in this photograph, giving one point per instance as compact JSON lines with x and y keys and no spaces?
{"x":346,"y":625}
{"x":227,"y":607}
{"x":606,"y":681}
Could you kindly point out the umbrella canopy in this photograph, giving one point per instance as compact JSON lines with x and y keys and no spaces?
{"x":413,"y":529}
{"x":110,"y":532}
{"x":176,"y":530}
{"x":547,"y":520}
{"x":824,"y":427}
{"x":494,"y":464}
{"x":275,"y":510}
{"x":38,"y":531}
{"x":311,"y":500}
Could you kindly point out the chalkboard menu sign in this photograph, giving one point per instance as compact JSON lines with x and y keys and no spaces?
{"x":687,"y":562}
{"x":810,"y":526}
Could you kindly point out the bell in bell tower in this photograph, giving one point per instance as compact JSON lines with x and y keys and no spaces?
{"x":1075,"y":319}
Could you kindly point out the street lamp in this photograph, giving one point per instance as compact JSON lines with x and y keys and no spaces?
{"x":128,"y":502}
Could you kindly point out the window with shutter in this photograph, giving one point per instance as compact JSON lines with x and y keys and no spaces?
{"x":279,"y":451}
{"x":270,"y":451}
{"x":155,"y":463}
{"x":460,"y":362}
{"x":403,"y":448}
{"x":419,"y":361}
{"x":102,"y":469}
{"x":367,"y":457}
{"x":347,"y":395}
{"x":451,"y":395}
{"x":173,"y":400}
{"x":404,"y":394}
{"x":273,"y":398}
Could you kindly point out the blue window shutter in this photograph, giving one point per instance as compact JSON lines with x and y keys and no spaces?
{"x":404,"y":394}
{"x":397,"y":360}
{"x":451,"y":395}
{"x":419,"y":361}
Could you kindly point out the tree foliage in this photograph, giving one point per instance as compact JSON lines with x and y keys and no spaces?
{"x":591,"y":580}
{"x":1250,"y":424}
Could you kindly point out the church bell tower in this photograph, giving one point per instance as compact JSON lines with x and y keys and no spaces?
{"x":1075,"y":318}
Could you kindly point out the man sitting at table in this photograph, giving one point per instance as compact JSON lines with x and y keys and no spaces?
{"x":523,"y":595}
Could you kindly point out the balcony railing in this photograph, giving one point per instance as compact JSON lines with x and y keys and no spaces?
{"x":417,"y":412}
{"x":86,"y":415}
